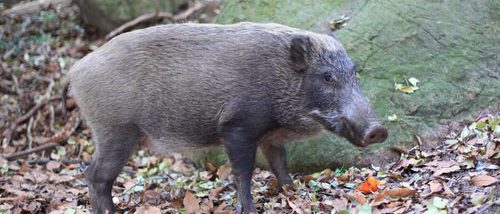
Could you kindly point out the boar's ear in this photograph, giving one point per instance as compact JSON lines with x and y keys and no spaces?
{"x":299,"y":52}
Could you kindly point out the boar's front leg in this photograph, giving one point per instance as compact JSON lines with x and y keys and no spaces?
{"x":241,"y":147}
{"x":276,"y":155}
{"x":241,"y":127}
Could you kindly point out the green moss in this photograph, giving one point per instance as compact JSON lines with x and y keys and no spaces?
{"x":300,"y":14}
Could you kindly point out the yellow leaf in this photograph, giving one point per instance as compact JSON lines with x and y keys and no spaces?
{"x":392,"y":117}
{"x":409,"y":89}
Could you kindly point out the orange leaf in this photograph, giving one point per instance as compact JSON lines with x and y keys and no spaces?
{"x":372,"y":181}
{"x":400,"y":192}
{"x":483,"y":180}
{"x":365,"y":187}
{"x":370,"y":185}
{"x":71,"y":166}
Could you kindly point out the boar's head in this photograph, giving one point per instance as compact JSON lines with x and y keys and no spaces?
{"x":332,"y":94}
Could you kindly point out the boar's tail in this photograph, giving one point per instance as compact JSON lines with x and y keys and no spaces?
{"x":64,"y":94}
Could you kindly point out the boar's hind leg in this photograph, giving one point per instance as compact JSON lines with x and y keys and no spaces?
{"x":276,"y":156}
{"x":114,"y":145}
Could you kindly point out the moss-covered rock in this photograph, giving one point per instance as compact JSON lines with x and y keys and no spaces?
{"x":452,"y":47}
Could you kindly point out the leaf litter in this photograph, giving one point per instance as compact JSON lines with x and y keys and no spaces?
{"x":459,"y":175}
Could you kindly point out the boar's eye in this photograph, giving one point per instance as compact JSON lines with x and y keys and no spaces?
{"x":328,"y":78}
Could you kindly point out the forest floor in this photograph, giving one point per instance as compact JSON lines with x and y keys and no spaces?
{"x":45,"y":149}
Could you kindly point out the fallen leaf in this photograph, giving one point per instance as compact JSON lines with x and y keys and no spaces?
{"x":370,"y":185}
{"x":437,"y":206}
{"x":394,"y":204}
{"x":405,"y":88}
{"x":413,"y":81}
{"x":400,"y":192}
{"x":356,"y":196}
{"x":435,"y":186}
{"x":151,"y":197}
{"x":340,"y":204}
{"x":379,"y":199}
{"x":447,"y":190}
{"x":224,"y":171}
{"x":490,"y":150}
{"x":441,"y":164}
{"x":214,"y":193}
{"x":294,"y":207}
{"x":364,"y":209}
{"x":53,"y":165}
{"x":71,"y":166}
{"x":439,"y":203}
{"x":446,"y":170}
{"x":148,"y":209}
{"x":360,"y":197}
{"x":483,"y":180}
{"x":477,"y":198}
{"x":207,"y":206}
{"x":365,"y":187}
{"x":392,"y":117}
{"x":191,"y":203}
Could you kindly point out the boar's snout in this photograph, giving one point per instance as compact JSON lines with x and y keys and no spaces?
{"x":359,"y":130}
{"x":363,"y":136}
{"x":376,"y":134}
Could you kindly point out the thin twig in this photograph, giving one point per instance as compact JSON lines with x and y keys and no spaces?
{"x":53,"y":141}
{"x":188,"y":12}
{"x":32,"y":7}
{"x":153,"y":17}
{"x":138,"y":20}
{"x":7,"y":134}
{"x":4,"y":88}
{"x":52,"y":118}
{"x":29,"y":134}
{"x":44,"y":161}
{"x":17,"y":90}
{"x":9,"y":199}
{"x":17,"y":155}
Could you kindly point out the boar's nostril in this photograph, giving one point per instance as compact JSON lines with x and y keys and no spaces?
{"x":377,"y":134}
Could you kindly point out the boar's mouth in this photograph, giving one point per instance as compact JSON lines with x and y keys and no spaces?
{"x":348,"y":132}
{"x":340,"y":126}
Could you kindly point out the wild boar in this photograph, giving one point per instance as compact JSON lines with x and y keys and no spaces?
{"x":243,"y":85}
